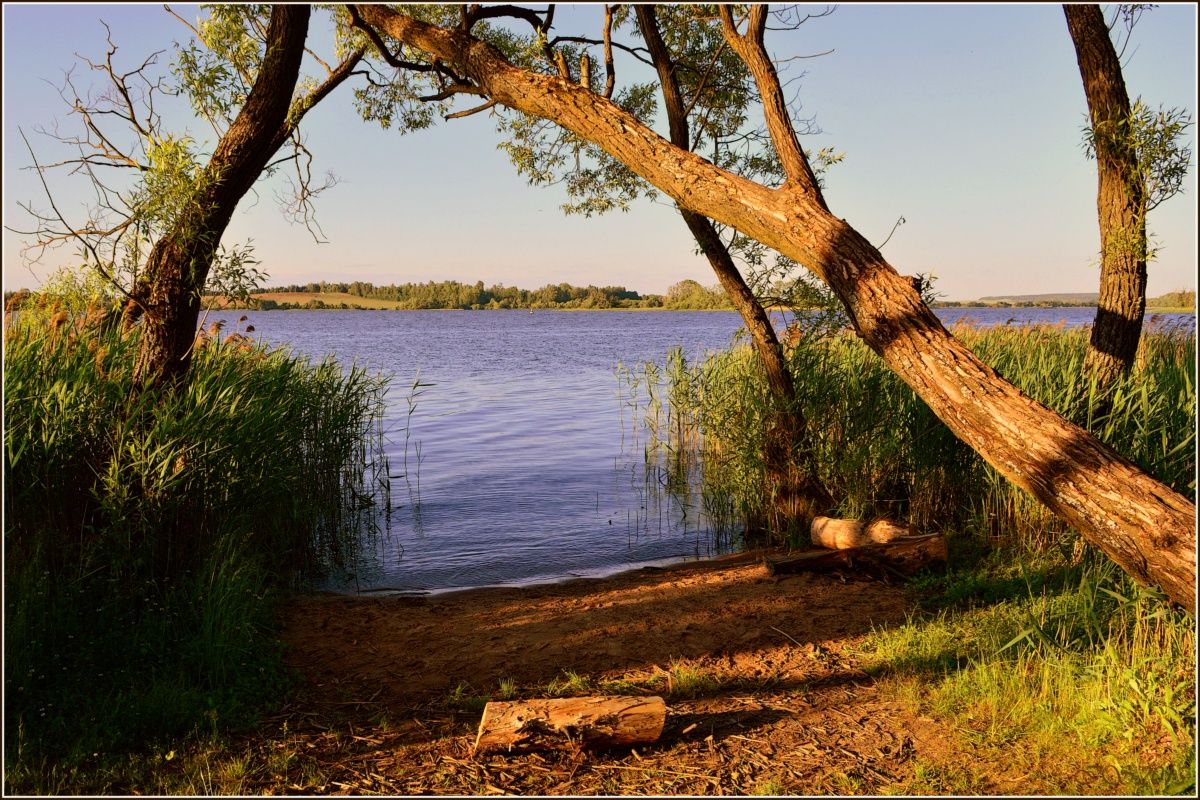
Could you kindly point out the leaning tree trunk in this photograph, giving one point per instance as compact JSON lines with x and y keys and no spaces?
{"x":795,"y":495}
{"x":1147,"y":528}
{"x":179,"y":262}
{"x":1120,"y":201}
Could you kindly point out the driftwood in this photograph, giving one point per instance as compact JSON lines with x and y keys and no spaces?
{"x":597,"y":722}
{"x":899,"y":557}
{"x":839,"y":534}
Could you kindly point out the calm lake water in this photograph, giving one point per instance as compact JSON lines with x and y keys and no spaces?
{"x":521,"y":464}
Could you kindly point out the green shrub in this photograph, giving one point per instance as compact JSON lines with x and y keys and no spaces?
{"x":147,"y":534}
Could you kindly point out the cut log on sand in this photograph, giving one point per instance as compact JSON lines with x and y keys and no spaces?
{"x":838,"y":534}
{"x":597,"y":722}
{"x":901,"y":557}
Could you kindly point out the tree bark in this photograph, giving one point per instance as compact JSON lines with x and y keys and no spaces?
{"x":1147,"y":528}
{"x":900,"y":557}
{"x":1120,"y":201}
{"x":179,"y":262}
{"x":839,"y":534}
{"x":795,"y":495}
{"x":570,"y":722}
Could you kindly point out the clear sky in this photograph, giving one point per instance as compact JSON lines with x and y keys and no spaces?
{"x":965,"y":120}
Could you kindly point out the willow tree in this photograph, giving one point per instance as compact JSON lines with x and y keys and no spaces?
{"x":1140,"y":164}
{"x":706,"y":91}
{"x":1147,"y":528}
{"x":157,"y":238}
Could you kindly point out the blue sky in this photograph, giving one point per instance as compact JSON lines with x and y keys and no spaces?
{"x":965,"y":120}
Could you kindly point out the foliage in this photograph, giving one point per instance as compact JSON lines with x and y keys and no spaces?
{"x":689,"y":294}
{"x":1157,"y":138}
{"x":234,"y":273}
{"x":1180,"y":298}
{"x":146,"y":538}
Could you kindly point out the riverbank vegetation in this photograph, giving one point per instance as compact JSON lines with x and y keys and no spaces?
{"x":1179,"y":300}
{"x":456,"y":295}
{"x":148,"y":534}
{"x":1031,"y":643}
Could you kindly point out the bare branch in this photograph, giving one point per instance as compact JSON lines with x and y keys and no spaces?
{"x":477,"y":12}
{"x":610,"y":75}
{"x":470,"y":111}
{"x":72,"y":232}
{"x":451,"y":91}
{"x":301,"y":107}
{"x":640,"y":53}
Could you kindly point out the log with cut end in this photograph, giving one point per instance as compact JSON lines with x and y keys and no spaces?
{"x":903,"y":557}
{"x":839,"y":534}
{"x":597,"y":722}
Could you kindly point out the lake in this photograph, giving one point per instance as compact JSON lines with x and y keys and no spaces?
{"x":519,"y":457}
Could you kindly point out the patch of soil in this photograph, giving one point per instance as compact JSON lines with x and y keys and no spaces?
{"x":393,"y":686}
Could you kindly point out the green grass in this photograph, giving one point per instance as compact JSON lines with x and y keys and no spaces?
{"x":1064,"y":669}
{"x":328,"y":299}
{"x":1039,"y":653}
{"x":148,"y":535}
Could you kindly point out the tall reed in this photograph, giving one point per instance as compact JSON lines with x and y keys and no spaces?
{"x":146,"y":534}
{"x":878,"y":448}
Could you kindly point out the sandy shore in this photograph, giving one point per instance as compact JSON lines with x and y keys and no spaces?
{"x":393,"y":686}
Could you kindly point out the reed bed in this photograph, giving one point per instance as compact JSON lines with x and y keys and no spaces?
{"x":147,"y":534}
{"x":1034,"y":644}
{"x":878,"y":448}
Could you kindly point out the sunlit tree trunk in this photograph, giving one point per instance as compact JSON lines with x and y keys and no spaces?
{"x":1120,"y":200}
{"x":179,"y":262}
{"x":1147,"y":528}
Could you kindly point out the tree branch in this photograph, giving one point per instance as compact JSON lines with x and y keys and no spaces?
{"x":470,"y":111}
{"x":610,"y":75}
{"x":73,"y":233}
{"x":751,"y":50}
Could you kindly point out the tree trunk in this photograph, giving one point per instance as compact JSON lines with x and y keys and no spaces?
{"x":795,"y":495}
{"x":570,"y":722}
{"x":1147,"y":528}
{"x":179,"y":262}
{"x":902,"y":557}
{"x":1120,"y":201}
{"x":839,"y":534}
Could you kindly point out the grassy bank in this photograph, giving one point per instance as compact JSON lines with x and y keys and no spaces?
{"x":147,"y":536}
{"x":1032,"y":644}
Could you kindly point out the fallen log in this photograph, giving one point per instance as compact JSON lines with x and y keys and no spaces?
{"x":900,"y":557}
{"x":596,"y":722}
{"x":839,"y":534}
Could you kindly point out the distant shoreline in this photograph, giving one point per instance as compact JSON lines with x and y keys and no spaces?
{"x":354,"y":307}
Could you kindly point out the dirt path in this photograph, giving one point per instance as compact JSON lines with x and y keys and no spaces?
{"x":763,"y":693}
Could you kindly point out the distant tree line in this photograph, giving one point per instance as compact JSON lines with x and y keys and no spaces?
{"x":684,"y":295}
{"x":1016,"y":304}
{"x":1178,"y":299}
